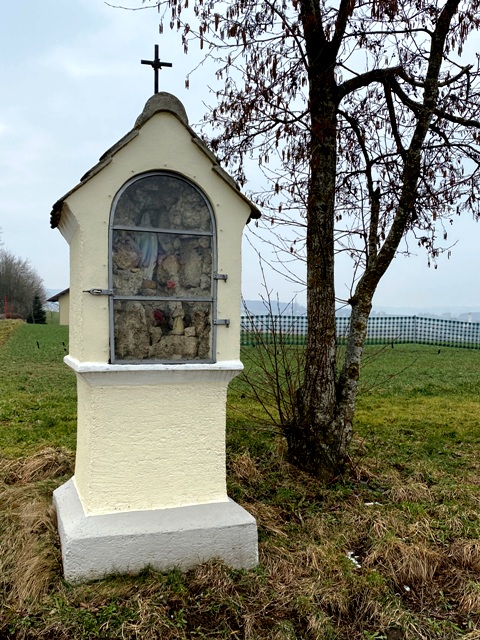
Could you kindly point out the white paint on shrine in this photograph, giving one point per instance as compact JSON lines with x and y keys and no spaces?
{"x":166,"y":449}
{"x":154,"y":343}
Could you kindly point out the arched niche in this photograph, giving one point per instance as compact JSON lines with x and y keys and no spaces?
{"x":162,"y":259}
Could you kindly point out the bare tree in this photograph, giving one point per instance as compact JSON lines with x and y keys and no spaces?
{"x":19,"y":285}
{"x":364,"y":117}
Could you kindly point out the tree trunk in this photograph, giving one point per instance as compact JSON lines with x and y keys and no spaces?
{"x":318,"y":438}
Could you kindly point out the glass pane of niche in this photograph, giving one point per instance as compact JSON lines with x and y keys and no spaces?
{"x":162,"y":331}
{"x":163,"y":202}
{"x":161,"y":264}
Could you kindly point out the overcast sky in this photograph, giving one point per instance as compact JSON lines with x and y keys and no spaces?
{"x":72,"y":85}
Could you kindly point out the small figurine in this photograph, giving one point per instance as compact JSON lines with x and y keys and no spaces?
{"x":178,"y":324}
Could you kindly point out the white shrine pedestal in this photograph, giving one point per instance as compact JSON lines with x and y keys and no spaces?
{"x":149,"y":486}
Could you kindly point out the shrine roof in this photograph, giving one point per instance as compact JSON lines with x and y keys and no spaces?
{"x":159,"y":102}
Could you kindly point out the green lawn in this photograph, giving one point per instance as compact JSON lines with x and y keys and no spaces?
{"x":391,"y":551}
{"x":37,"y":391}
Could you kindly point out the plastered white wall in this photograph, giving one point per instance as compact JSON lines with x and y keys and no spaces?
{"x":151,"y":446}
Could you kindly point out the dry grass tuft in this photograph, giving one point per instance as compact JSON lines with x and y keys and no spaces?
{"x":410,"y":492}
{"x":283,"y":566}
{"x":387,"y":522}
{"x":469,"y":601}
{"x":269,"y":517}
{"x":214,"y":576}
{"x":7,"y":327}
{"x":244,"y":468}
{"x":47,"y":463}
{"x":407,"y":565}
{"x":30,"y":561}
{"x":466,"y":553}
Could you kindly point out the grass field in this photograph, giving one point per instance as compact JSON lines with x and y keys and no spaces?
{"x":389,"y":552}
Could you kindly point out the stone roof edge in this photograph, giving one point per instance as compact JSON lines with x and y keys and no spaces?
{"x":106,"y":158}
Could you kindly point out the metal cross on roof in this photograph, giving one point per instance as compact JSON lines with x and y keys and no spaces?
{"x":156,"y":65}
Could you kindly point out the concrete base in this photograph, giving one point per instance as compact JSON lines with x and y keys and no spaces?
{"x":127,"y":542}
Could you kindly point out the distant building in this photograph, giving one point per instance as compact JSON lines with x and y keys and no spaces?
{"x":63,"y":299}
{"x":473,"y":316}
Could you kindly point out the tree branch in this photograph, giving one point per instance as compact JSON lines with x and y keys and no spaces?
{"x":407,"y":101}
{"x":344,"y":12}
{"x":393,"y":119}
{"x":463,"y":71}
{"x":374,"y":193}
{"x":282,"y":16}
{"x":364,"y":79}
{"x":466,"y":122}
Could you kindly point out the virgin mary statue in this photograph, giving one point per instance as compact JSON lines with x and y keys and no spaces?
{"x":148,"y":244}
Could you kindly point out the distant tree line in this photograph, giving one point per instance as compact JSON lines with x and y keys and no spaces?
{"x":22,"y":293}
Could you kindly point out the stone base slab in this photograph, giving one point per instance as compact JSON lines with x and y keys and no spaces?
{"x":127,"y":542}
